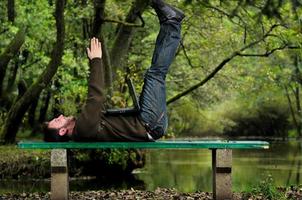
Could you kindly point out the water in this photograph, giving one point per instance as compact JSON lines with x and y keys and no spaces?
{"x":191,"y":170}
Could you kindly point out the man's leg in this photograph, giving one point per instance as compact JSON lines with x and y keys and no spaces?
{"x":153,"y":98}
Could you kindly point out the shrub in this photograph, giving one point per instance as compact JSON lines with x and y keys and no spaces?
{"x":27,"y":164}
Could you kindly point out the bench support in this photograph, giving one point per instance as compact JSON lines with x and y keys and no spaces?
{"x":59,"y":175}
{"x":222,"y":178}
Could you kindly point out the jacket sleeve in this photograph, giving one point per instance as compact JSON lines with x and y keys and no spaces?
{"x":96,"y":80}
{"x":88,"y":119}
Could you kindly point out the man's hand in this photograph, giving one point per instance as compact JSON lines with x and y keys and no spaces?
{"x":95,"y":50}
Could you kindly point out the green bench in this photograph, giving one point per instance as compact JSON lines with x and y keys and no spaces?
{"x":221,"y":159}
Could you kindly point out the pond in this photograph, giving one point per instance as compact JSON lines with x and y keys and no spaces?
{"x":190,"y":171}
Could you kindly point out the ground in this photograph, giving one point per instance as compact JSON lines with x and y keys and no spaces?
{"x":158,"y":194}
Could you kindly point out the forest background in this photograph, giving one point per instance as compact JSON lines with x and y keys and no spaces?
{"x":237,"y":71}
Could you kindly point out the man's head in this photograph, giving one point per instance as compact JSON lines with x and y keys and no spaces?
{"x":59,"y":129}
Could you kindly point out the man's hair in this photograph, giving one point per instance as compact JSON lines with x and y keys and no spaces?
{"x":52,"y":134}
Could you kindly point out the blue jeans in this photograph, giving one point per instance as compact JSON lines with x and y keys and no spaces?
{"x":153,"y":97}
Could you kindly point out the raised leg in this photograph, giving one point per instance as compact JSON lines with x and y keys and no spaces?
{"x":222,"y":177}
{"x":59,"y":175}
{"x":153,"y":97}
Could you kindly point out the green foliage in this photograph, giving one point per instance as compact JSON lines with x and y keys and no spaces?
{"x":186,"y":119}
{"x":265,"y":117}
{"x":267,"y":189}
{"x":262,"y":114}
{"x":248,"y":92}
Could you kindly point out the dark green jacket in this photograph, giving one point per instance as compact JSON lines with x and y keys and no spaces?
{"x":93,"y":125}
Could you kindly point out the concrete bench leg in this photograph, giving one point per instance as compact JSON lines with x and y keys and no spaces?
{"x":59,"y":175}
{"x":222,"y":177}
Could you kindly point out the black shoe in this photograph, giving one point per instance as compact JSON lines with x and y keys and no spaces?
{"x":166,"y":12}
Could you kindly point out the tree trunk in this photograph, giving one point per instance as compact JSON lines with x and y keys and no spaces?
{"x":107,"y":66}
{"x":11,"y":14}
{"x":85,"y":22}
{"x":44,"y":107}
{"x":85,"y":27}
{"x":16,"y":113}
{"x":290,"y":105}
{"x":32,"y":117}
{"x":125,"y":33}
{"x":99,"y":13}
{"x":12,"y":78}
{"x":298,"y":105}
{"x":55,"y":108}
{"x":99,"y":8}
{"x":298,"y":166}
{"x":32,"y":113}
{"x":7,"y":98}
{"x":22,"y":87}
{"x":297,"y":97}
{"x":12,"y":49}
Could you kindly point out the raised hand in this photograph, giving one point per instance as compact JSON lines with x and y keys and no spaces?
{"x":95,"y":50}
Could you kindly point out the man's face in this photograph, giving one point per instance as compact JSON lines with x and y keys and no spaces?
{"x":59,"y":122}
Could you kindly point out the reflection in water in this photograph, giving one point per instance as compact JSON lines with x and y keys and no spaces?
{"x":294,"y":166}
{"x":29,"y":186}
{"x":190,"y":170}
{"x":13,"y":186}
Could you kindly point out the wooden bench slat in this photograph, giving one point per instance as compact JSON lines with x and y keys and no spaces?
{"x":161,"y":144}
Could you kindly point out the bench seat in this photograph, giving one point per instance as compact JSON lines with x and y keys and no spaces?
{"x":221,"y":159}
{"x":164,"y":144}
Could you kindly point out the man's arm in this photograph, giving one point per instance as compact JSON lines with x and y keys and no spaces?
{"x":95,"y":81}
{"x":86,"y":124}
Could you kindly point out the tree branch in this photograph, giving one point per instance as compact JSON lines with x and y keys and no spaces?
{"x":221,"y":65}
{"x":186,"y":55}
{"x":294,"y":47}
{"x":229,"y":15}
{"x":266,"y":54}
{"x":125,"y":23}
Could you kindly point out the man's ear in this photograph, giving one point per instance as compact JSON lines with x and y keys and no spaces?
{"x":62,"y":131}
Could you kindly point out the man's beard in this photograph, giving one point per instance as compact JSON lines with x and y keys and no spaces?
{"x":70,"y":121}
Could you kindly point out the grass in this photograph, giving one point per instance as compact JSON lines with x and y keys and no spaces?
{"x":266,"y":189}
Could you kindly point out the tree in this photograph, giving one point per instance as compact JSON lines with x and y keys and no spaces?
{"x":17,"y":111}
{"x":235,"y":16}
{"x":11,"y":50}
{"x":125,"y":33}
{"x":228,"y":59}
{"x":221,"y":41}
{"x":11,"y":10}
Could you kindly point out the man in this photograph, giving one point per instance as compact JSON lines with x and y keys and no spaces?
{"x":150,"y":123}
